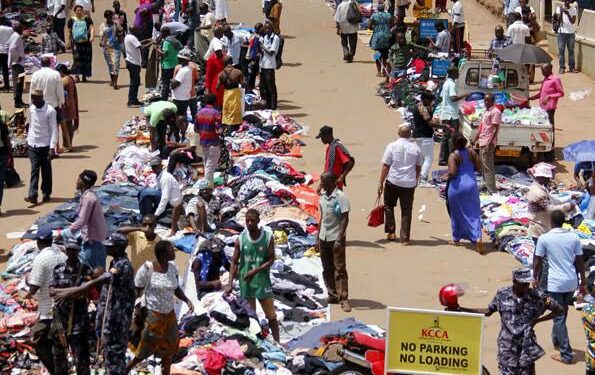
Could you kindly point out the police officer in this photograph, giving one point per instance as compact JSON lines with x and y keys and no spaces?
{"x":116,"y":303}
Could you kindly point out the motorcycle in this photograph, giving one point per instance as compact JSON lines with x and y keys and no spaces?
{"x":361,"y":353}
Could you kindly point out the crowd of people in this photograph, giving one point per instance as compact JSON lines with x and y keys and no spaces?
{"x":198,"y":41}
{"x":558,"y":275}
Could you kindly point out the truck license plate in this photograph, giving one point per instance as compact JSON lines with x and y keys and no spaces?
{"x":509,"y":152}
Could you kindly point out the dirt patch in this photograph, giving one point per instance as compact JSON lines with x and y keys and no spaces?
{"x":494,"y":6}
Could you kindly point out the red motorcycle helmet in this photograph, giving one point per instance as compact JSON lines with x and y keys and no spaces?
{"x":449,"y":296}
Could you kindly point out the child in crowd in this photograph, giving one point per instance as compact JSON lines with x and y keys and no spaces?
{"x":50,"y":40}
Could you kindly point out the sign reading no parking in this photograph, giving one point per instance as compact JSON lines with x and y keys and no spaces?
{"x":433,"y":342}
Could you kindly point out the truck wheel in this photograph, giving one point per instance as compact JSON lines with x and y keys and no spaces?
{"x":350,"y":369}
{"x":525,"y":159}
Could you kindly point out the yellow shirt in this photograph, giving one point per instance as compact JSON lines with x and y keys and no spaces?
{"x":140,"y":248}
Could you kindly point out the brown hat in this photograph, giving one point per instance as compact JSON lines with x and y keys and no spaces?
{"x":37,"y":92}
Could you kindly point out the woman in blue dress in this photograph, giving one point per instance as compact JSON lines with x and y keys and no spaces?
{"x":381,"y":23}
{"x":463,"y":194}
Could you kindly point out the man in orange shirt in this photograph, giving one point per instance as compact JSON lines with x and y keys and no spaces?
{"x":338,"y":160}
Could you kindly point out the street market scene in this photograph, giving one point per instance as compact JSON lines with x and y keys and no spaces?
{"x":261,"y":187}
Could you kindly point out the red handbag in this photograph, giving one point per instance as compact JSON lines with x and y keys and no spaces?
{"x":376,"y":217}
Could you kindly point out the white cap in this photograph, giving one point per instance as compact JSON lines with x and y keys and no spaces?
{"x":542,"y":170}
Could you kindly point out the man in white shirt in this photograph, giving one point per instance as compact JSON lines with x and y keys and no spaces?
{"x":49,"y":81}
{"x":218,"y":40}
{"x":518,"y":31}
{"x":181,"y":86}
{"x":170,"y":193}
{"x":566,"y":34}
{"x":42,"y":140}
{"x":16,"y":59}
{"x":401,"y":167}
{"x":234,"y":41}
{"x":133,"y":63}
{"x":39,"y":281}
{"x":346,"y":30}
{"x":269,"y":46}
{"x":5,"y":33}
{"x":57,"y":10}
{"x":458,"y":25}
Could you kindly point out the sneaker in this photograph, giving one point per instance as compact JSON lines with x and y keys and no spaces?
{"x":346,"y":306}
{"x":391,"y":237}
{"x":46,"y":199}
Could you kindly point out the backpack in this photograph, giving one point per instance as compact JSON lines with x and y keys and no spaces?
{"x":557,"y":20}
{"x":80,"y":33}
{"x":279,"y":54}
{"x":354,"y":16}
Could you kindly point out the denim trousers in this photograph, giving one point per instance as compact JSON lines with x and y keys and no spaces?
{"x":566,"y":40}
{"x":93,"y":254}
{"x":559,"y":330}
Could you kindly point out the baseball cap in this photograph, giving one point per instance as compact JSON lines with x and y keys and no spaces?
{"x":88,"y":176}
{"x":325,"y":130}
{"x":217,"y":46}
{"x":72,"y":245}
{"x":522,"y":275}
{"x":155,"y":161}
{"x":542,"y":170}
{"x":116,"y":239}
{"x":44,"y":234}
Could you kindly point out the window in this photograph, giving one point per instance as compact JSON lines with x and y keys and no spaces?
{"x":512,"y":78}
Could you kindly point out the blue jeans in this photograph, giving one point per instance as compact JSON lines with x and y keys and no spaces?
{"x":559,"y":330}
{"x":93,"y":254}
{"x":148,"y":200}
{"x":134,"y":71}
{"x":566,"y":40}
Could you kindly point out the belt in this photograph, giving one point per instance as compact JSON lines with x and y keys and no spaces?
{"x":32,"y":146}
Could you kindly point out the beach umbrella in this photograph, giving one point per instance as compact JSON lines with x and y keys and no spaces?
{"x":524,"y":54}
{"x":580,"y":151}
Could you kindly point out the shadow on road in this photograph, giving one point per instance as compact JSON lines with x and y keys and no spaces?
{"x":366,"y":304}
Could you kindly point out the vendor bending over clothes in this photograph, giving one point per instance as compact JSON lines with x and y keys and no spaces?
{"x":202,"y":211}
{"x":167,"y":194}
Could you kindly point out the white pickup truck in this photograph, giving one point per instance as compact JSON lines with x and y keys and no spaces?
{"x":517,"y":143}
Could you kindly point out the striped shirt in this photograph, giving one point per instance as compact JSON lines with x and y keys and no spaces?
{"x":208,"y":121}
{"x":42,"y":275}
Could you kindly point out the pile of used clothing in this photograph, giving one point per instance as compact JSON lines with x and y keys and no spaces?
{"x":223,"y":335}
{"x":505,"y":215}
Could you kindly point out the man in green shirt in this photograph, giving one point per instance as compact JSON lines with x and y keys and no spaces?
{"x":158,"y":116}
{"x":400,"y":54}
{"x":254,"y":255}
{"x":169,"y":60}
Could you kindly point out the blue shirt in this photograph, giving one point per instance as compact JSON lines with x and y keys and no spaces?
{"x":450,"y":109}
{"x":561,"y":248}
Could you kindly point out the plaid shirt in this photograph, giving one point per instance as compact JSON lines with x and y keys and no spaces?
{"x":50,"y":42}
{"x":497,"y":44}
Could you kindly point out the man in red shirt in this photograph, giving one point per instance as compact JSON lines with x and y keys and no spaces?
{"x":487,"y":135}
{"x":338,"y":160}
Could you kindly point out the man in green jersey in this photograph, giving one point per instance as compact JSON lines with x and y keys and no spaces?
{"x":253,"y":257}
